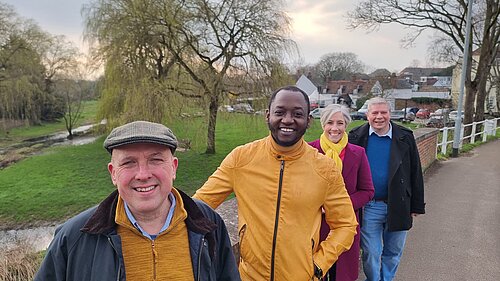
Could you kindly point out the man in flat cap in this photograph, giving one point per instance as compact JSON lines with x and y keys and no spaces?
{"x":146,"y":229}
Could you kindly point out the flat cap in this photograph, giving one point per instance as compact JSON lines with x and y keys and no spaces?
{"x":140,"y":132}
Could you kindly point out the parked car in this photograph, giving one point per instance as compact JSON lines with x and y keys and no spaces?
{"x":423,"y":113}
{"x":316,"y":113}
{"x":226,"y":108}
{"x":398,"y":115}
{"x":410,"y":116}
{"x":356,"y":115}
{"x":413,"y":110}
{"x":453,"y":115}
{"x":314,"y":105}
{"x":440,"y":112}
{"x":243,"y":108}
{"x":435,"y":122}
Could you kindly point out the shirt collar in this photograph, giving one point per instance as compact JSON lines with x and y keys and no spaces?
{"x":132,"y":219}
{"x":388,"y":134}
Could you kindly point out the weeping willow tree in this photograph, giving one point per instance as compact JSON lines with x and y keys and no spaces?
{"x":21,"y":95}
{"x":30,"y":61}
{"x":21,"y":70}
{"x":160,"y":52}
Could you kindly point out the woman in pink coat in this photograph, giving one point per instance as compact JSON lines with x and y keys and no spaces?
{"x":352,"y":160}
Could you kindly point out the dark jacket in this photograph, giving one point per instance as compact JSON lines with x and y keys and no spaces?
{"x":87,"y":247}
{"x":405,"y":180}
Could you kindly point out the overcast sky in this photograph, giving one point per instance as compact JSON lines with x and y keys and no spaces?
{"x":319,"y":27}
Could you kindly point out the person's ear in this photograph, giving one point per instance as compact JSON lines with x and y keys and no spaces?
{"x":112,"y":174}
{"x":175,"y":165}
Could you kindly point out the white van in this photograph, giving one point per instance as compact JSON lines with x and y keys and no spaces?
{"x":364,"y":108}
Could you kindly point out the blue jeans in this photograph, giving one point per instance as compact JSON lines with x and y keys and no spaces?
{"x":381,"y":249}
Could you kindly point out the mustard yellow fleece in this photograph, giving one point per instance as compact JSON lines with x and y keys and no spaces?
{"x":310,"y":182}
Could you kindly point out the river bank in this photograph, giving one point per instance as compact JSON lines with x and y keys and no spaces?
{"x":37,"y":238}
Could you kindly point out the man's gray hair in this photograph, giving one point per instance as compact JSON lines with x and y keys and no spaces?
{"x":332,"y":109}
{"x":378,"y":100}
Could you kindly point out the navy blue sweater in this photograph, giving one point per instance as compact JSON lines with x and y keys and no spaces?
{"x":378,"y":151}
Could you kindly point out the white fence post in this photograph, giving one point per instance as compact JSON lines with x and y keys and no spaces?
{"x":462,"y":129}
{"x":444,"y":140}
{"x":473,"y":133}
{"x":487,"y":128}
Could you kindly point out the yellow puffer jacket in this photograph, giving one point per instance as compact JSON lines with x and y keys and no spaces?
{"x":280,"y":193}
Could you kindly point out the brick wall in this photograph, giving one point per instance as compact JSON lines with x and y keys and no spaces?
{"x":426,"y":139}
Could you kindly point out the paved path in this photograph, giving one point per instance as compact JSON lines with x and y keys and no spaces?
{"x":459,"y":236}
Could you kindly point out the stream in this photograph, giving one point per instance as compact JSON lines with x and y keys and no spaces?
{"x":34,"y":146}
{"x":37,"y":238}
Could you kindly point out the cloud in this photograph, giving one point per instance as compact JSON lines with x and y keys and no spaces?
{"x":320,"y":27}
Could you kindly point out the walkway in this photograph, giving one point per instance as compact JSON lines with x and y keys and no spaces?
{"x":459,"y":236}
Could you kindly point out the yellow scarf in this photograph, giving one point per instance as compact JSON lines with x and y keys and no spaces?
{"x":333,"y":150}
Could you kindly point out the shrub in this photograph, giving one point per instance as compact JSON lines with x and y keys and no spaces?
{"x":19,"y":262}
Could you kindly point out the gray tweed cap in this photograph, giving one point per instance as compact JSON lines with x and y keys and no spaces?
{"x":140,"y":132}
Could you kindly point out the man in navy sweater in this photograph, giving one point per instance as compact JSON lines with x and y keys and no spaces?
{"x":399,"y":190}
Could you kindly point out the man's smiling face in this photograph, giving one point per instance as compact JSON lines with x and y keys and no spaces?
{"x":287,"y":117}
{"x":144,"y":175}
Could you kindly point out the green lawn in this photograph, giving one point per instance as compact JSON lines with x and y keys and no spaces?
{"x":66,"y":180}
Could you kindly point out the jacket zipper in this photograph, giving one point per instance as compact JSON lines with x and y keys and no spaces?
{"x":278,"y":203}
{"x":312,"y":257}
{"x":199,"y":258}
{"x":116,"y":252}
{"x":155,"y":258}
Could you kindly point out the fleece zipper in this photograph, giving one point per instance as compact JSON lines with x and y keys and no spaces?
{"x":278,"y":204}
{"x":155,"y":258}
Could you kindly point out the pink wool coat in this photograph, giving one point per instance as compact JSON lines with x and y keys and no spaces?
{"x":359,"y":185}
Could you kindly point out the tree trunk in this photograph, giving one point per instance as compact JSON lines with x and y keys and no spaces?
{"x":470,"y":96}
{"x":212,"y":120}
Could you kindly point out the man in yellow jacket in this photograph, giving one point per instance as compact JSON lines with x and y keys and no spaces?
{"x":282,"y":185}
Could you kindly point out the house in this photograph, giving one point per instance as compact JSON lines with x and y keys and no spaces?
{"x":416,"y":73}
{"x":308,"y":87}
{"x":416,"y":82}
{"x":436,"y":81}
{"x":400,"y":98}
{"x":349,"y":91}
{"x":316,"y":98}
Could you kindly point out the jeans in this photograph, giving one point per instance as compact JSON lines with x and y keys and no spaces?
{"x":381,"y":249}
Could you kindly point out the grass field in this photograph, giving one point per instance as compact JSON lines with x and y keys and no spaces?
{"x":65,"y":180}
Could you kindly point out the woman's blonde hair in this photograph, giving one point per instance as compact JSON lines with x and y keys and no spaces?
{"x":332,"y":109}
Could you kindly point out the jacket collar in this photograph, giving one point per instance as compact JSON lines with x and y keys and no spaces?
{"x":103,"y":219}
{"x":279,"y":152}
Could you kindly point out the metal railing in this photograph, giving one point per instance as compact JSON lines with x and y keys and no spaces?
{"x":446,"y":137}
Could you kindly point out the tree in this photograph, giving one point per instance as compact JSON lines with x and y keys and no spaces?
{"x":338,"y":66}
{"x":448,"y":19}
{"x":21,"y":95}
{"x":197,"y":48}
{"x":30,"y":60}
{"x":494,"y":84}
